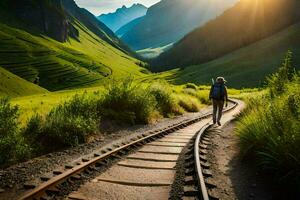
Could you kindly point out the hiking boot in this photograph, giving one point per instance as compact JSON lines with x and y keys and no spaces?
{"x":219,"y":123}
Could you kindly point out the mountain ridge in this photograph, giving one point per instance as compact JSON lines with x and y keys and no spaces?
{"x":115,"y":20}
{"x":168,"y":21}
{"x":245,"y":67}
{"x":241,"y":25}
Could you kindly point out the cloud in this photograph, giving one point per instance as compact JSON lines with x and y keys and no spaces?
{"x":104,"y":6}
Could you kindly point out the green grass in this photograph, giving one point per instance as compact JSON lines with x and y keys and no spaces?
{"x":43,"y":103}
{"x":47,"y":122}
{"x":269,"y":128}
{"x":14,"y":86}
{"x":85,"y":62}
{"x":246,"y":67}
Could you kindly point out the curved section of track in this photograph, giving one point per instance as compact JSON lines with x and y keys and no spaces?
{"x":199,"y":172}
{"x":161,"y":146}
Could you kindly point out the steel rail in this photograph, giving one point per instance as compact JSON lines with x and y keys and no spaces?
{"x":199,"y":174}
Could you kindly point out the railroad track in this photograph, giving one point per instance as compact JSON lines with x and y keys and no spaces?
{"x":50,"y":187}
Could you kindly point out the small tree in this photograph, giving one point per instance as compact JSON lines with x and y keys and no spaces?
{"x":286,"y":73}
{"x":8,"y":130}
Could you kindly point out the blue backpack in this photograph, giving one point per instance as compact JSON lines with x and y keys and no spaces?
{"x":218,"y":92}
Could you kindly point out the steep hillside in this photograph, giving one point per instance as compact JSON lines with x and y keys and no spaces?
{"x":127,"y":27}
{"x":91,"y":22}
{"x":247,"y":22}
{"x":46,"y":17}
{"x":123,"y":16}
{"x":13,"y":86}
{"x":86,"y":58}
{"x":246,"y":67}
{"x":169,"y":20}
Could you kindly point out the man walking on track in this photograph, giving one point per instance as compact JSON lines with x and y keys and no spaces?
{"x":218,"y":94}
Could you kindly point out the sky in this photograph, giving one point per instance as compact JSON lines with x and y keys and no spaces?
{"x":98,"y":7}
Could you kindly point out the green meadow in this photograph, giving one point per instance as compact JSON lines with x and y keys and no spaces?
{"x":14,"y":86}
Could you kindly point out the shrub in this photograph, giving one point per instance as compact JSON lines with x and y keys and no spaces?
{"x":128,"y":102}
{"x":201,"y":95}
{"x":272,"y":133}
{"x":69,"y":124}
{"x":11,"y":147}
{"x":269,"y":129}
{"x":277,"y":82}
{"x":188,"y":103}
{"x":166,"y":103}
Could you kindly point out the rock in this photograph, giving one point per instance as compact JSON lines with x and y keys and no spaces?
{"x":57,"y":172}
{"x":2,"y":190}
{"x":29,"y":186}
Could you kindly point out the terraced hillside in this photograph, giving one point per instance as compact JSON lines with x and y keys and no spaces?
{"x":79,"y":62}
{"x":246,"y":67}
{"x":14,"y":86}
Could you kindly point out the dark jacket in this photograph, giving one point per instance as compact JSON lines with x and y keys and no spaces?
{"x":223,"y":97}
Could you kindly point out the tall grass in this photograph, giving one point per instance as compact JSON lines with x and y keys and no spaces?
{"x":129,"y":102}
{"x":167,"y":103}
{"x":269,"y":129}
{"x":68,"y":124}
{"x":78,"y":119}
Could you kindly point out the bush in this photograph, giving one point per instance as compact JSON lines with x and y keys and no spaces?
{"x":68,"y":124}
{"x":201,"y":95}
{"x":11,"y":147}
{"x":189,"y":103}
{"x":128,"y":102}
{"x":75,"y":121}
{"x":166,"y":103}
{"x":269,"y":129}
{"x":277,"y":82}
{"x":272,"y":133}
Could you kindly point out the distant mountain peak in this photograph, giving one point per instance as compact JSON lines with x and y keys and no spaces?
{"x":123,"y":15}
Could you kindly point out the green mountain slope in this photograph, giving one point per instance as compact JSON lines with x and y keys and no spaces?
{"x":246,"y":67}
{"x":245,"y":23}
{"x":169,"y":20}
{"x":93,"y":24}
{"x":13,"y":86}
{"x":88,"y":55}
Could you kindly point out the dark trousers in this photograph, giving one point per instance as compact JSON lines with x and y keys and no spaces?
{"x":217,"y":110}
